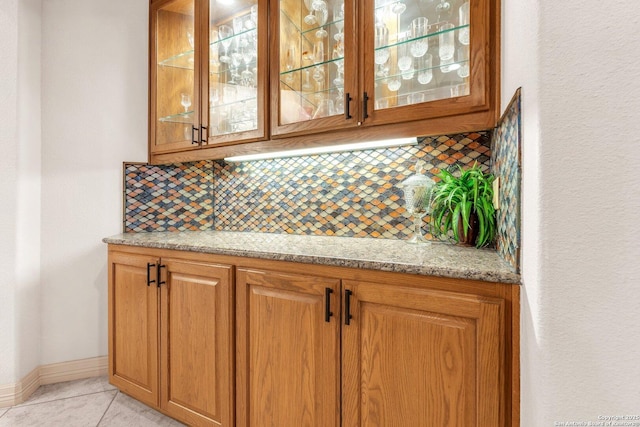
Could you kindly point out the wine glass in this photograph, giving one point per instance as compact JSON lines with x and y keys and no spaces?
{"x":248,"y":52}
{"x":321,"y":15}
{"x":185,"y":100}
{"x":224,"y":34}
{"x":338,"y":20}
{"x":289,"y":61}
{"x":394,"y":82}
{"x":398,"y":7}
{"x":190,"y":39}
{"x":310,"y":18}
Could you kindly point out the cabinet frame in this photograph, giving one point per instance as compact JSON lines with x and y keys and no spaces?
{"x":484,"y":60}
{"x":200,"y":101}
{"x":509,"y":294}
{"x":157,"y":285}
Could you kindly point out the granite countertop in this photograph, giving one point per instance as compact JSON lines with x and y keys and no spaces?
{"x":434,"y":259}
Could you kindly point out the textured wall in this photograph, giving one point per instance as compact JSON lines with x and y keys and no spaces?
{"x":19,"y":189}
{"x":8,"y":187}
{"x":94,"y":115}
{"x":581,"y":200}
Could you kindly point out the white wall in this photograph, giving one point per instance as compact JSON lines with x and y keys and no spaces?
{"x":94,"y":117}
{"x":28,"y":190}
{"x":579,"y":69}
{"x":19,"y":188}
{"x":8,"y":184}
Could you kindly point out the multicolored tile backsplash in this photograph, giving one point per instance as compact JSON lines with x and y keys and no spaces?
{"x":352,"y":194}
{"x":506,"y":164}
{"x":168,"y":197}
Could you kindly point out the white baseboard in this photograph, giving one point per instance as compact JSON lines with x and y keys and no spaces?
{"x":14,"y":394}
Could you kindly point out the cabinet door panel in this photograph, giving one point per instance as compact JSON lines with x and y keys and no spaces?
{"x":235,"y":83}
{"x":313,"y":66}
{"x":430,"y":61}
{"x":174,"y":76}
{"x":288,"y":355}
{"x":197,"y":346}
{"x":133,"y":326}
{"x":414,"y":357}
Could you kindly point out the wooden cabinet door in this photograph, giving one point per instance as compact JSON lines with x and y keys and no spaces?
{"x":196,"y":342}
{"x":437,"y":61}
{"x":314,"y":72}
{"x":234,"y":86}
{"x":416,"y":357}
{"x":174,"y":77}
{"x":133,"y":325}
{"x":288,"y":360}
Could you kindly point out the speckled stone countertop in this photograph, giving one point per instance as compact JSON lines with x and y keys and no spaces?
{"x":435,"y":259}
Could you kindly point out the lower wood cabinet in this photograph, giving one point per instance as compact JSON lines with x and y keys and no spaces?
{"x":314,"y":346}
{"x":170,"y":335}
{"x":288,"y":349}
{"x":416,"y":357}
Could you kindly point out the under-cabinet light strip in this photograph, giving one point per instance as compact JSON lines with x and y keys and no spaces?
{"x":367,"y":145}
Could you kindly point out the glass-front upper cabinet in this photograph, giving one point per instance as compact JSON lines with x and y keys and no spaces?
{"x":426,"y":58}
{"x":236,"y":71}
{"x":208,"y":73}
{"x":313,"y":65}
{"x":174,"y":77}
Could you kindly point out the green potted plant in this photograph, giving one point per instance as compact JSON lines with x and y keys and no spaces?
{"x":462,"y":207}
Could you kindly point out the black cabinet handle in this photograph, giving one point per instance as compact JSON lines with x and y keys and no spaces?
{"x":347,"y":307}
{"x":194,"y":138}
{"x":327,"y":304}
{"x":365,"y":101}
{"x":149,"y":281}
{"x":203,"y":134}
{"x":347,"y":104}
{"x":160,"y":282}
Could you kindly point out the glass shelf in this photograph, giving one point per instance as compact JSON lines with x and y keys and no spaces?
{"x":429,"y":36}
{"x":233,"y":37}
{"x":182,"y":60}
{"x":223,"y":105}
{"x":310,"y":97}
{"x":311,"y":66}
{"x":178,"y":118}
{"x":452,"y":66}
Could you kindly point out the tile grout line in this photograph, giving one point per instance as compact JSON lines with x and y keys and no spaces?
{"x":22,"y":405}
{"x":108,"y":407}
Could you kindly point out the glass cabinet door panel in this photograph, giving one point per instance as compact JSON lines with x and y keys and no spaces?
{"x":175,"y":98}
{"x":234,"y":74}
{"x":311,"y":60}
{"x":421,"y":51}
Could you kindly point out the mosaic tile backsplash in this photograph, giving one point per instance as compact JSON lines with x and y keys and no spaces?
{"x":351,"y":194}
{"x":168,"y":198}
{"x":506,"y":163}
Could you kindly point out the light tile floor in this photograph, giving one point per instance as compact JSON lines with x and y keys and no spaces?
{"x":90,"y":402}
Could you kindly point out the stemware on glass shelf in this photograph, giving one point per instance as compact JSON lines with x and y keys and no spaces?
{"x":321,"y":14}
{"x":446,"y":42}
{"x":463,"y":17}
{"x":185,"y":101}
{"x":382,"y":52}
{"x":224,"y":34}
